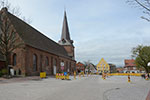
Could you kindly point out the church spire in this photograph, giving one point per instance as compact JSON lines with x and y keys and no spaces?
{"x":65,"y":30}
{"x":65,"y":36}
{"x":65,"y":40}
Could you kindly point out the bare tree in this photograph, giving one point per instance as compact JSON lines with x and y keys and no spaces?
{"x":9,"y":40}
{"x":144,"y":5}
{"x":14,"y":10}
{"x":87,"y":65}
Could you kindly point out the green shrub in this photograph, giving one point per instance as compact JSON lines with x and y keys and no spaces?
{"x":4,"y":71}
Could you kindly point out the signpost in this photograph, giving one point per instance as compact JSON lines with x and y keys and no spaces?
{"x":62,"y":65}
{"x":65,"y":73}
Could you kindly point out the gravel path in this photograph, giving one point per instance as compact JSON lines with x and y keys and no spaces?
{"x":86,"y":88}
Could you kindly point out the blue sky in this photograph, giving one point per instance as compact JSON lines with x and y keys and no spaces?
{"x":106,"y":29}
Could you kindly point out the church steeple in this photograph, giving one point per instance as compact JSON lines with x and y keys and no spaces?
{"x":65,"y":36}
{"x":65,"y":30}
{"x":65,"y":40}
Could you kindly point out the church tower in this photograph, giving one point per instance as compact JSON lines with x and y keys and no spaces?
{"x":66,"y":41}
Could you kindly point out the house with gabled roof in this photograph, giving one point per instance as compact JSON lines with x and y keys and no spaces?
{"x":103,"y":66}
{"x":130,"y":66}
{"x":40,"y":53}
{"x":80,"y":67}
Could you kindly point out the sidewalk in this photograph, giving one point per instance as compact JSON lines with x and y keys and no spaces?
{"x":18,"y":79}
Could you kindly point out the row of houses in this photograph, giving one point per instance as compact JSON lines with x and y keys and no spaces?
{"x":101,"y":67}
{"x":104,"y":67}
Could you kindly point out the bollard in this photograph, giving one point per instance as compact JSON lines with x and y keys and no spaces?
{"x":104,"y":76}
{"x":74,"y":75}
{"x":83,"y":74}
{"x":87,"y":74}
{"x":129,"y":78}
{"x":80,"y":75}
{"x":56,"y":75}
{"x":146,"y":76}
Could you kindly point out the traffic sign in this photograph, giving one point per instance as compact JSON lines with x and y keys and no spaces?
{"x":65,"y":73}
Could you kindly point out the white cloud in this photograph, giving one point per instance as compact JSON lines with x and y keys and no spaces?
{"x":108,"y":28}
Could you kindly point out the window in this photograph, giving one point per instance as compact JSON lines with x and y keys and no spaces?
{"x":14,"y":59}
{"x":55,"y":62}
{"x":47,"y":61}
{"x":35,"y":62}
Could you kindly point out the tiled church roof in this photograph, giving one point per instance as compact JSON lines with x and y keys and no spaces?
{"x":34,"y":38}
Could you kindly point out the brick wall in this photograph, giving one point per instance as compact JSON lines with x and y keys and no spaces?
{"x":25,"y":61}
{"x":2,"y":64}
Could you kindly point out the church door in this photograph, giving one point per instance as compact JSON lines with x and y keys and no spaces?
{"x":54,"y":70}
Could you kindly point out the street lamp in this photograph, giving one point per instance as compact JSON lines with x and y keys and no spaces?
{"x":148,"y":64}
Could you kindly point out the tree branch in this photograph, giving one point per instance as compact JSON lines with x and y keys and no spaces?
{"x":142,"y":5}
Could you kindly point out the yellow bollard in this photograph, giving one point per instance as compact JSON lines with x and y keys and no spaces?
{"x":74,"y":75}
{"x":87,"y":74}
{"x":83,"y":74}
{"x":129,"y":78}
{"x":56,"y":76}
{"x":104,"y":76}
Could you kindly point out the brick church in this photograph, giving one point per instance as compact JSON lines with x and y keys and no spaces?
{"x":40,"y":53}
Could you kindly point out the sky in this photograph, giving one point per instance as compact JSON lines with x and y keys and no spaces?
{"x":106,"y":29}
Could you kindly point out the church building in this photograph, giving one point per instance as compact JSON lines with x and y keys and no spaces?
{"x":40,"y":53}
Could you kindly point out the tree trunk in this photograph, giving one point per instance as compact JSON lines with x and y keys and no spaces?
{"x":146,"y":69}
{"x":6,"y":64}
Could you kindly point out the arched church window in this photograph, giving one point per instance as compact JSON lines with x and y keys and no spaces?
{"x":47,"y":61}
{"x":35,"y":62}
{"x":14,"y":59}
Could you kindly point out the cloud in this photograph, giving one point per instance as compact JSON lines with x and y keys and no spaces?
{"x":108,"y":28}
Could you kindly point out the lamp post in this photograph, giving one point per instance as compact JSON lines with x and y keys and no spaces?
{"x":148,"y":64}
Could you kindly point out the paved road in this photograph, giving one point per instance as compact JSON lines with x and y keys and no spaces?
{"x":88,"y":88}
